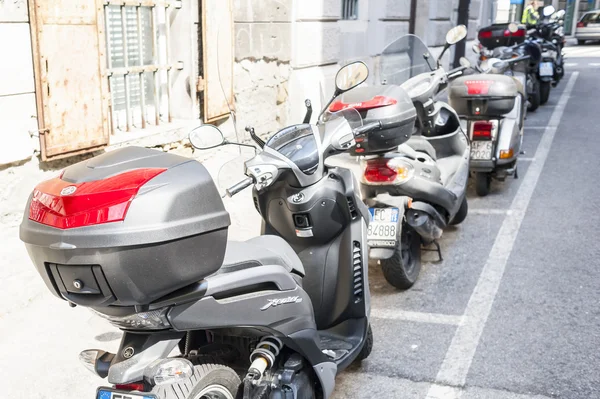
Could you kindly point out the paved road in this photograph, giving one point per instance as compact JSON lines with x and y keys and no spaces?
{"x":511,"y":313}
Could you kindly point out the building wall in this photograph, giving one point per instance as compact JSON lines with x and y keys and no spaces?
{"x":263,"y":51}
{"x":18,"y":115}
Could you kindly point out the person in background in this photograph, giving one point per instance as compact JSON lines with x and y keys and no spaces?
{"x":530,"y":15}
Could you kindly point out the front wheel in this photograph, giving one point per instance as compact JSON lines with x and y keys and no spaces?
{"x":483,"y":182}
{"x":214,"y":381}
{"x":534,"y":97}
{"x":403,"y":268}
{"x":544,"y":92}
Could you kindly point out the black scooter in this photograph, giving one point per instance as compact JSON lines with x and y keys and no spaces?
{"x":140,"y":237}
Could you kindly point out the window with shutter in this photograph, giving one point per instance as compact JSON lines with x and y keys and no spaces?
{"x":138,"y":62}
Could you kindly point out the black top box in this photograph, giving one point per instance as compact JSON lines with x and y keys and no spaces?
{"x":125,"y":228}
{"x":389,"y":104}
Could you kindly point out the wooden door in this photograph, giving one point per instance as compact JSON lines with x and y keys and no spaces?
{"x":70,"y":69}
{"x":218,"y":57}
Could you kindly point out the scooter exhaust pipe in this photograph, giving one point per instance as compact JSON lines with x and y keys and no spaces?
{"x":426,"y":221}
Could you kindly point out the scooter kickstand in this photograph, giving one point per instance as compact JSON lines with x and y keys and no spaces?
{"x":437,"y":249}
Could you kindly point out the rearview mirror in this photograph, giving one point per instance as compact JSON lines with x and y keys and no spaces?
{"x":464,"y":62}
{"x":549,"y":10}
{"x":456,"y":34}
{"x":206,"y":137}
{"x":350,"y":76}
{"x":513,"y":28}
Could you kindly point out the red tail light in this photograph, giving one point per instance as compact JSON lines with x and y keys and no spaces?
{"x":475,"y":87}
{"x":378,"y":171}
{"x":581,"y":24}
{"x":518,"y":33}
{"x":64,"y":205}
{"x":485,"y":34}
{"x":136,"y":386}
{"x":482,"y":130}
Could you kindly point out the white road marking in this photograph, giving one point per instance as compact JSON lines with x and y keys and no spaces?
{"x":459,"y":356}
{"x":420,"y":317}
{"x":477,"y":211}
{"x":443,"y":392}
{"x":571,"y":64}
{"x":535,"y":127}
{"x":594,"y":64}
{"x":522,"y":159}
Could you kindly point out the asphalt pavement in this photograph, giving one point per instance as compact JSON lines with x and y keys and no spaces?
{"x":511,"y":313}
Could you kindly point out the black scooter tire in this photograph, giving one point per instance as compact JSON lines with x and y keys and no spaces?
{"x":483,"y":183}
{"x":544,"y":92}
{"x":461,"y":215}
{"x":367,"y":347}
{"x":205,"y":375}
{"x":534,"y":98}
{"x":395,"y":269}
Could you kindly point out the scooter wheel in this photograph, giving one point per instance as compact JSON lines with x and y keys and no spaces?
{"x":534,"y":98}
{"x":367,"y":347}
{"x":208,"y":380}
{"x":544,"y":92}
{"x":461,"y":215}
{"x":483,"y":182}
{"x":403,"y":268}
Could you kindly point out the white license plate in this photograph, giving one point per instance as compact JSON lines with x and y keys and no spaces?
{"x":481,"y":150}
{"x":383,"y":227}
{"x":546,"y":69}
{"x":109,"y":393}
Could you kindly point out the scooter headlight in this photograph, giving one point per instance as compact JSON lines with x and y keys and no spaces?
{"x":150,"y":320}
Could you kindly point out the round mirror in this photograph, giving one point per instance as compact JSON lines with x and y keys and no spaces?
{"x":549,"y":10}
{"x":464,"y":62}
{"x":206,"y":136}
{"x":513,"y":28}
{"x":476,"y":48}
{"x":351,"y":76}
{"x":456,"y":34}
{"x":560,"y":14}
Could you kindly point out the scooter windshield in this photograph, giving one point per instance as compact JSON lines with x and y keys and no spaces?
{"x":298,"y":144}
{"x":405,"y":58}
{"x":350,"y":115}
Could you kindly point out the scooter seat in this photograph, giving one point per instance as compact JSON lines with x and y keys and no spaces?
{"x":421,"y":144}
{"x":261,"y":251}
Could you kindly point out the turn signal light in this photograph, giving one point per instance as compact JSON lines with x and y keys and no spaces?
{"x":506,"y":154}
{"x":482,"y":130}
{"x":387,"y":171}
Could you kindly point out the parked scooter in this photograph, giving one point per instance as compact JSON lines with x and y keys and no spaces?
{"x":416,"y":170}
{"x":549,"y":34}
{"x":140,"y":237}
{"x":505,"y":41}
{"x":493,"y":103}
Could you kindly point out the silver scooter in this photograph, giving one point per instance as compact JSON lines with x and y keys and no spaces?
{"x":492,"y":104}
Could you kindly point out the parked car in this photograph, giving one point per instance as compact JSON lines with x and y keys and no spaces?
{"x":588,"y":27}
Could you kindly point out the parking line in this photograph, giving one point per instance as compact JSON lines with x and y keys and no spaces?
{"x":460,"y":354}
{"x":522,"y":159}
{"x":484,"y":211}
{"x":420,"y":317}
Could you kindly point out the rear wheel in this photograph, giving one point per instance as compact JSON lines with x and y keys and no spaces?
{"x":461,"y":215}
{"x":580,"y":42}
{"x":403,"y":268}
{"x":483,"y":182}
{"x":210,"y":381}
{"x":534,"y":97}
{"x":544,"y":92}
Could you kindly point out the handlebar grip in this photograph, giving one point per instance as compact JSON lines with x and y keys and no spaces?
{"x":455,"y":71}
{"x":236,"y":188}
{"x":367,"y":128}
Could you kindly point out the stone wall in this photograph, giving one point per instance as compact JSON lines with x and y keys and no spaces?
{"x":263,"y":51}
{"x":18,"y":114}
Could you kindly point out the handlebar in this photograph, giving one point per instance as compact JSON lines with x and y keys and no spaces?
{"x":456,"y":71}
{"x":236,"y":188}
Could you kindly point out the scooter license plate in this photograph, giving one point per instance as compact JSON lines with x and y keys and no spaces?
{"x":109,"y":393}
{"x":546,"y":69}
{"x":481,"y":150}
{"x":383,"y":227}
